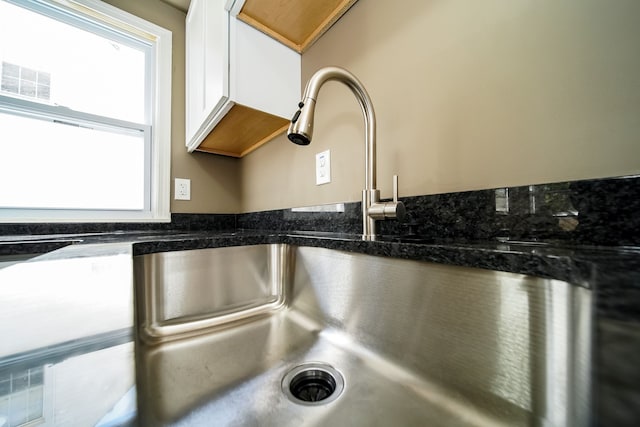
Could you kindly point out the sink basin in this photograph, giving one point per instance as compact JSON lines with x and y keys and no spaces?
{"x":400,"y":342}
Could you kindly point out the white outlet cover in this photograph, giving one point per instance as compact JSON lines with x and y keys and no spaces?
{"x":182,"y":190}
{"x":323,"y":167}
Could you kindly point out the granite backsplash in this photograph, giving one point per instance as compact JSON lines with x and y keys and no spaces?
{"x":591,"y":212}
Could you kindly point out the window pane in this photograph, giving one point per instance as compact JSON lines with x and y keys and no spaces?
{"x":10,"y":84}
{"x":5,"y":386}
{"x":44,"y":78}
{"x":11,"y":70}
{"x":4,"y":406}
{"x":18,"y":408}
{"x":44,"y":92}
{"x":57,"y":166}
{"x":27,"y":88}
{"x":36,"y":403}
{"x":36,"y":376}
{"x":29,"y":75}
{"x":20,"y":381}
{"x":72,"y":63}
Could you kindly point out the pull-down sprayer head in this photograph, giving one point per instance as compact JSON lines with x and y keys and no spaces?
{"x":301,"y":127}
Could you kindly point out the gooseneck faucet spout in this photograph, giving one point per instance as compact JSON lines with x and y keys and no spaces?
{"x":301,"y":132}
{"x":301,"y":128}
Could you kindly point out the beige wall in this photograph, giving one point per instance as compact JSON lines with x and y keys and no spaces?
{"x":468,"y":95}
{"x":215,"y":180}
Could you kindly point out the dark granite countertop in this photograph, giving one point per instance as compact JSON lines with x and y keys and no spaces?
{"x":93,"y":265}
{"x":612,"y":271}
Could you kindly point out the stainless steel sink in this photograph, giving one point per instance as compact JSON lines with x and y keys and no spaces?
{"x":407,"y":342}
{"x":186,"y":293}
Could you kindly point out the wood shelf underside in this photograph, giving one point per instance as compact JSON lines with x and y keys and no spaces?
{"x":241,"y":131}
{"x":295,"y":23}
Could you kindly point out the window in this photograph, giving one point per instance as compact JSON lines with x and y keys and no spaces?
{"x":84,"y":113}
{"x":26,"y":82}
{"x":22,"y":397}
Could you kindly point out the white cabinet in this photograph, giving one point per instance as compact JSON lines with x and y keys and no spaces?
{"x":242,"y":86}
{"x":207,"y":56}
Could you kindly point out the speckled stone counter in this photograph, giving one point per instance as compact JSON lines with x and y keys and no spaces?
{"x":586,"y":233}
{"x":612,"y":273}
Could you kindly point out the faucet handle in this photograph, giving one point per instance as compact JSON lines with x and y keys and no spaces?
{"x":399,"y":209}
{"x":388,"y":210}
{"x":395,"y":188}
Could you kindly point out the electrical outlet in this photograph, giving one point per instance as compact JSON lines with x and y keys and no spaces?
{"x":323,"y":167}
{"x":182,"y":190}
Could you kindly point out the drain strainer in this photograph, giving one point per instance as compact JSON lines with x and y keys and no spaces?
{"x":313,"y":384}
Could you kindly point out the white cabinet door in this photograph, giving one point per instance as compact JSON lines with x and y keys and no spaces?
{"x":236,"y":78}
{"x":207,"y":70}
{"x":265,"y":74}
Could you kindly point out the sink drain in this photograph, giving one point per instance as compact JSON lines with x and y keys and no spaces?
{"x":313,"y":384}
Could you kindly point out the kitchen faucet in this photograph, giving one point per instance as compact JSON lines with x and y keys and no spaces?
{"x":301,"y":131}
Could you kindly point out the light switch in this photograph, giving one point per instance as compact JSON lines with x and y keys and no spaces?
{"x":323,"y":167}
{"x":182,"y":190}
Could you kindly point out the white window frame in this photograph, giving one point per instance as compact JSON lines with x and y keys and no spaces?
{"x":158,"y":153}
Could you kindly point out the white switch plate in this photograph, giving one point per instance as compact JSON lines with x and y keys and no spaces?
{"x":182,"y":190}
{"x":323,"y":167}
